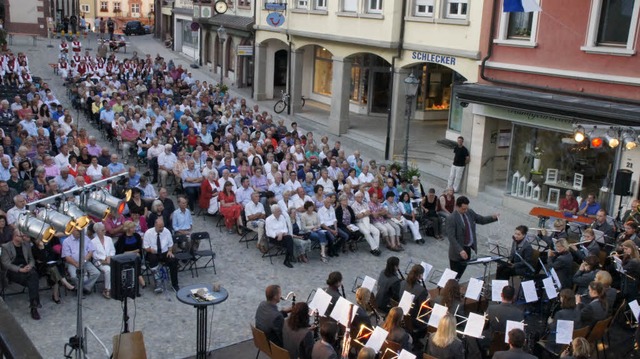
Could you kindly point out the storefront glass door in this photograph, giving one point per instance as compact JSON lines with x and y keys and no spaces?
{"x":380,"y":92}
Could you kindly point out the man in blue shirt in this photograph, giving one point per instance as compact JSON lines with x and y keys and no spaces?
{"x":181,"y":219}
{"x":115,"y":167}
{"x":107,"y":116}
{"x":589,"y":207}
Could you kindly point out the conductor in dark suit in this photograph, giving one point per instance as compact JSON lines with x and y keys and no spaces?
{"x":461,"y":231}
{"x":516,"y":342}
{"x":268,"y":318}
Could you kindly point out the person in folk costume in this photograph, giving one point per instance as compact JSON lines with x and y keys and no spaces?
{"x":64,"y":49}
{"x":25,"y":78}
{"x":101,"y":67}
{"x":76,"y":57}
{"x":82,"y":68}
{"x":3,"y":62}
{"x":88,"y":58}
{"x":76,"y":45}
{"x":63,"y":68}
{"x":11,"y":69}
{"x":23,"y":62}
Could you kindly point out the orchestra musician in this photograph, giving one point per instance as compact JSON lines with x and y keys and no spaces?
{"x":561,"y":261}
{"x":520,"y":258}
{"x":588,"y":246}
{"x":334,"y":282}
{"x":633,"y":213}
{"x":586,"y":274}
{"x":451,"y":297}
{"x":567,"y":312}
{"x":414,"y":286}
{"x":596,"y":310}
{"x":629,"y":234}
{"x":388,"y":284}
{"x":631,"y":266}
{"x":559,"y":231}
{"x":602,"y":225}
{"x":611,"y":293}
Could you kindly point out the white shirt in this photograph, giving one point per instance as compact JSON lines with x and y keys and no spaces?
{"x":14,"y":213}
{"x":243,"y":145}
{"x":326,"y":185}
{"x":292,"y":185}
{"x":253,"y":208}
{"x":101,"y":252}
{"x":299,"y":202}
{"x":327,"y":216}
{"x":333,"y":172}
{"x":167,"y":160}
{"x":274,"y":226}
{"x":222,"y":181}
{"x":154,"y":151}
{"x":365,"y":178}
{"x":61,"y":160}
{"x":94,"y":172}
{"x":151,"y":236}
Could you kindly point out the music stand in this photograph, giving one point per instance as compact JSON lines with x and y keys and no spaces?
{"x":487,"y":262}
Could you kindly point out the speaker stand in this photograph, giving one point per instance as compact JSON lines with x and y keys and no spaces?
{"x":618,"y":219}
{"x":125,"y":316}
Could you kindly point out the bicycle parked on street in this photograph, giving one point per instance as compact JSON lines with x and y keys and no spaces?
{"x":283,"y":103}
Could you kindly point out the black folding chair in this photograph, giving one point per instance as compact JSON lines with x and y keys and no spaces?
{"x":199,"y":252}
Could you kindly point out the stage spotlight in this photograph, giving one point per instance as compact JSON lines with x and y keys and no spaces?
{"x":579,"y":134}
{"x":34,"y":227}
{"x":57,"y":220}
{"x":79,"y":217}
{"x":612,"y":140}
{"x":629,"y":142}
{"x":115,"y":203}
{"x":97,"y":209}
{"x":596,"y":142}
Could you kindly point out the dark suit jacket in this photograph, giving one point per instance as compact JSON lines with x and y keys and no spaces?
{"x":500,"y":313}
{"x":270,"y":321}
{"x":564,"y":314}
{"x":513,"y":353}
{"x":455,"y":230}
{"x":340,"y":214}
{"x":388,"y":288}
{"x":335,"y":295}
{"x":525,"y":251}
{"x":455,"y":350}
{"x":322,"y":350}
{"x":592,"y":312}
{"x":563,"y":264}
{"x":9,"y":254}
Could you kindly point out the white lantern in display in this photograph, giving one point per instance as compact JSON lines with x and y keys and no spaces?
{"x":536,"y":193}
{"x":522,"y":186}
{"x":529,"y":190}
{"x":514,"y":183}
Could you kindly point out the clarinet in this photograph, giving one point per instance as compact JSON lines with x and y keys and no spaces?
{"x":316,"y":323}
{"x":401,"y":275}
{"x":343,"y":295}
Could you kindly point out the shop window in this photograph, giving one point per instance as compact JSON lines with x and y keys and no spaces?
{"x":434,"y":92}
{"x":545,"y":149}
{"x":322,"y":71}
{"x":423,"y":8}
{"x":350,"y":5}
{"x":188,"y":37}
{"x":302,"y":4}
{"x":456,"y":9}
{"x":612,"y":26}
{"x":320,"y":4}
{"x":374,"y":6}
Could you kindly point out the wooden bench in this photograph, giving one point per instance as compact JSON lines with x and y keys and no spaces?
{"x":34,"y":37}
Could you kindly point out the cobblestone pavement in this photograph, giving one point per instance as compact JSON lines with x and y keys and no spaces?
{"x":169,"y":326}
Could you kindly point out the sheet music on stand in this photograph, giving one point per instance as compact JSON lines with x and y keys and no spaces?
{"x":599,"y":236}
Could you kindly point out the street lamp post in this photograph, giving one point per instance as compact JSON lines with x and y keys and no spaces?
{"x":410,"y":89}
{"x":222,"y":36}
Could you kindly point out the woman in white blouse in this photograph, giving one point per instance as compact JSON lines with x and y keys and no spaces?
{"x":104,"y":250}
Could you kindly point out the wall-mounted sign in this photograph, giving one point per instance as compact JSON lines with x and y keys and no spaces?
{"x":195,"y":26}
{"x":275,"y":6}
{"x":196,"y":11}
{"x":244,"y":50}
{"x":206,"y":11}
{"x":435,"y":58}
{"x":275,"y":19}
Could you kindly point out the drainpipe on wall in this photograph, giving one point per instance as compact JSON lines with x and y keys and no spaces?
{"x":393,"y":66}
{"x":253,"y":36}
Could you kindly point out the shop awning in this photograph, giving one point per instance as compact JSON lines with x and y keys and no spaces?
{"x":579,"y":108}
{"x":241,"y":23}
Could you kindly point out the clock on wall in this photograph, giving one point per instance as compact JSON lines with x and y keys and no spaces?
{"x":221,"y":7}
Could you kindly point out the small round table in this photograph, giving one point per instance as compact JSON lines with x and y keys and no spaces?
{"x":184,"y":295}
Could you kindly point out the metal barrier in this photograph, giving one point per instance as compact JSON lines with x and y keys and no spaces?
{"x":14,"y":341}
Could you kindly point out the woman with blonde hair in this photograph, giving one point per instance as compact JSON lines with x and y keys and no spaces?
{"x":393,"y":325}
{"x":444,"y":343}
{"x":579,"y":349}
{"x":363,"y":296}
{"x":610,"y":293}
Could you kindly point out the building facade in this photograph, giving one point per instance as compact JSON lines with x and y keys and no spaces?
{"x":120,"y":10}
{"x":227,"y":41}
{"x":545,"y":76}
{"x":29,"y":16}
{"x":354,"y":56}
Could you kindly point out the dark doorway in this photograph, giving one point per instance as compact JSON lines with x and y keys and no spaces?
{"x":380,"y":92}
{"x":280,"y":61}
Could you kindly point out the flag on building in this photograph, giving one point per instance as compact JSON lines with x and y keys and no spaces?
{"x":521,"y":6}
